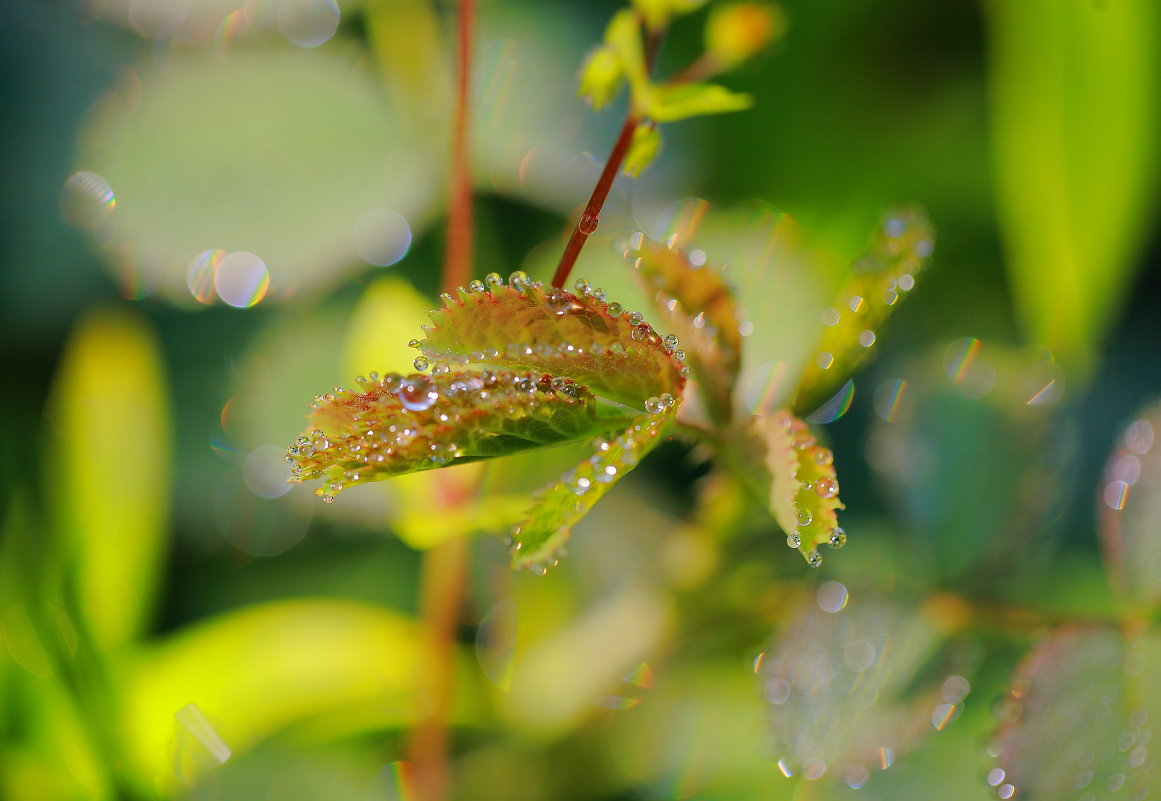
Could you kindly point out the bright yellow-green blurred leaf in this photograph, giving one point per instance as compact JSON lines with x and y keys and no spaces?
{"x":1075,"y":96}
{"x":643,"y":149}
{"x":672,"y":103}
{"x":255,"y":671}
{"x":111,"y":469}
{"x":736,"y":31}
{"x":601,"y":76}
{"x":386,"y":318}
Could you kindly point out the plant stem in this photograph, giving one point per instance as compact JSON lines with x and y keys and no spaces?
{"x":445,"y":567}
{"x":589,"y":217}
{"x":458,"y":252}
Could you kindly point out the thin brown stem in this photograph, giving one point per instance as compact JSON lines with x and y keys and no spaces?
{"x":589,"y":217}
{"x":445,"y":567}
{"x":458,"y":252}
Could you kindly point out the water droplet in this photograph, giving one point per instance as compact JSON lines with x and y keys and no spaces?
{"x":418,"y":393}
{"x":838,"y":538}
{"x":824,"y":360}
{"x":615,"y":309}
{"x":421,"y":363}
{"x":1005,"y":791}
{"x":995,"y":776}
{"x":826,"y":487}
{"x":494,"y":280}
{"x":636,"y":318}
{"x":804,"y":517}
{"x":855,"y":303}
{"x":640,"y":333}
{"x":814,"y":559}
{"x":476,"y":285}
{"x":906,"y":282}
{"x":582,"y":286}
{"x":679,"y":355}
{"x":793,"y":541}
{"x":670,"y":342}
{"x":587,"y":224}
{"x":582,"y":486}
{"x":654,"y":405}
{"x":518,"y":280}
{"x":867,"y":338}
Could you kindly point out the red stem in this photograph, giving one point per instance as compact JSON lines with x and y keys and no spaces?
{"x":589,"y":217}
{"x":458,"y":251}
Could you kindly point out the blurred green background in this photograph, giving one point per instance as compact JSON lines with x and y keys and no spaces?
{"x":219,"y":210}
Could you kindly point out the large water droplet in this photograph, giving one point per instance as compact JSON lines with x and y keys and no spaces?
{"x":418,"y":393}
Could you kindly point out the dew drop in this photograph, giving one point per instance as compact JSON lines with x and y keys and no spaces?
{"x":636,"y":318}
{"x":494,"y":280}
{"x":838,"y":538}
{"x":587,"y":224}
{"x":814,"y":559}
{"x":640,"y":333}
{"x":793,"y":541}
{"x":804,"y":517}
{"x":670,"y":342}
{"x":519,"y":280}
{"x":418,"y":393}
{"x":826,"y":487}
{"x":583,"y":287}
{"x":615,"y":309}
{"x":476,"y":285}
{"x":421,"y":363}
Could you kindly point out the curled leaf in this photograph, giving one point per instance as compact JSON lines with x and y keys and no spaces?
{"x":794,"y":476}
{"x":402,"y":424}
{"x":522,"y":326}
{"x":879,"y":279}
{"x":703,"y":315}
{"x":1130,"y":506}
{"x":536,"y":542}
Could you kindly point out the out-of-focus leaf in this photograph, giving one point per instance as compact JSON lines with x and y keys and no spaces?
{"x":879,"y":279}
{"x":1075,"y":92}
{"x":794,"y":478}
{"x":736,"y":31}
{"x":657,"y":13}
{"x":1130,"y":508}
{"x":537,"y":539}
{"x":258,"y":670}
{"x":612,"y":352}
{"x":681,"y":101}
{"x":111,"y":469}
{"x":601,"y":76}
{"x":846,"y":690}
{"x":1081,"y":719}
{"x":274,"y":152}
{"x":945,"y":425}
{"x":700,"y":308}
{"x":623,"y":36}
{"x":643,"y":149}
{"x":398,"y":424}
{"x":556,"y":680}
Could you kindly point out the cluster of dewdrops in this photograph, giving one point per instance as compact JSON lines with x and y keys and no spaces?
{"x":560,"y":302}
{"x":609,"y":459}
{"x":824,"y":487}
{"x":373,"y":445}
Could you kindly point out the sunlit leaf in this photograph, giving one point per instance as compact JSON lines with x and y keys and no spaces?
{"x":610,"y":351}
{"x":601,"y":76}
{"x":879,"y":280}
{"x":699,"y":307}
{"x":537,"y":540}
{"x":1081,"y":718}
{"x":257,"y":670}
{"x":1075,"y":91}
{"x":846,"y":687}
{"x":111,"y":470}
{"x":736,"y":31}
{"x":402,"y":424}
{"x":643,"y":149}
{"x":794,"y":477}
{"x":1130,"y":508}
{"x":679,"y":102}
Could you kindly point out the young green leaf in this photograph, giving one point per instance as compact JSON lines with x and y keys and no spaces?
{"x":703,"y":315}
{"x":1081,"y":718}
{"x":681,"y":101}
{"x":402,"y":424}
{"x":536,"y":542}
{"x":643,"y":149}
{"x":615,"y":354}
{"x":880,"y":278}
{"x":601,"y":76}
{"x":794,"y":476}
{"x":1130,"y":506}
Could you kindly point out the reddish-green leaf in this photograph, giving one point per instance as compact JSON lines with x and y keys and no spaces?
{"x":699,"y":307}
{"x":794,"y":476}
{"x":536,"y":541}
{"x":396,"y":424}
{"x":524,"y":326}
{"x":1130,"y":508}
{"x":1081,"y":719}
{"x":879,"y":280}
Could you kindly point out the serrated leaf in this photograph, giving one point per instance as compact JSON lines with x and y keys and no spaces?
{"x":553,"y":331}
{"x":1130,"y":508}
{"x":1081,"y":718}
{"x":537,"y":540}
{"x":396,"y":424}
{"x":672,"y":103}
{"x":846,"y":687}
{"x":794,"y":477}
{"x":699,"y":307}
{"x":879,"y":280}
